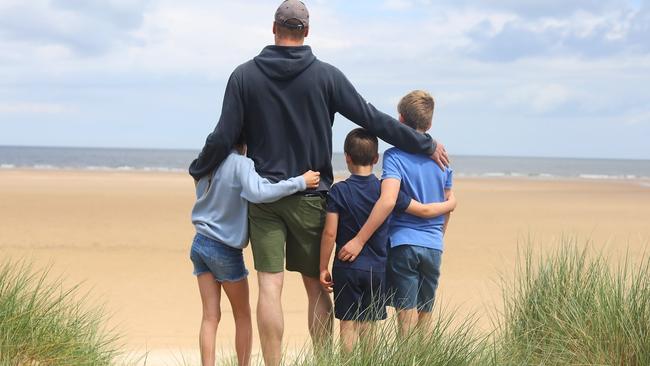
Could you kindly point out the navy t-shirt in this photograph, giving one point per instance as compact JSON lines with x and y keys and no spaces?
{"x":353,"y":200}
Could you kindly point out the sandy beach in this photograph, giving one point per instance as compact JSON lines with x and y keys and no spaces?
{"x":126,"y":236}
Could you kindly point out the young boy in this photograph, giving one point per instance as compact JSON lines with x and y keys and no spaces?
{"x":220,"y":216}
{"x":416,"y":243}
{"x":358,"y":284}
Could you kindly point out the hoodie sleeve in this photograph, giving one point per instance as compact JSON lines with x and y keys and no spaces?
{"x":256,"y":189}
{"x":352,"y":106}
{"x":221,"y":140}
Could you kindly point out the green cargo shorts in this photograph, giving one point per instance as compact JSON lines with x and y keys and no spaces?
{"x":296,"y":221}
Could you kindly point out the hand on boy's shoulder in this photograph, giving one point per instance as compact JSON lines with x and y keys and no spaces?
{"x":440,"y":156}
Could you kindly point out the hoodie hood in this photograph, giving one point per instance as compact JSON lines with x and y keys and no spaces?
{"x":284,"y":63}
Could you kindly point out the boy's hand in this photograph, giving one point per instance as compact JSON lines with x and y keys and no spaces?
{"x":312,"y":179}
{"x":452,"y":200}
{"x":326,"y":280}
{"x":351,"y":250}
{"x":440,"y":156}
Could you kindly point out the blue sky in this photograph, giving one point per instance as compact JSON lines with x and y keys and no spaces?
{"x":530,"y":78}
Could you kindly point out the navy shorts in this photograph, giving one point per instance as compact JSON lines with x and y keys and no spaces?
{"x":224,"y":262}
{"x":413,"y":274}
{"x":359,"y":295}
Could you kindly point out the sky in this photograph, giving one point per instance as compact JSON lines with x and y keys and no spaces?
{"x":515,"y":78}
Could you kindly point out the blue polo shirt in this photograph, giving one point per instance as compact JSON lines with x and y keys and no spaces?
{"x":424,"y":181}
{"x":353,"y":200}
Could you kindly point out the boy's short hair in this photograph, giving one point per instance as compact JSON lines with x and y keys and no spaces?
{"x":362,"y":147}
{"x":416,"y":109}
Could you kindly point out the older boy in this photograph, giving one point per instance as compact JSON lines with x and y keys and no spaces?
{"x":359,"y":285}
{"x":416,"y":243}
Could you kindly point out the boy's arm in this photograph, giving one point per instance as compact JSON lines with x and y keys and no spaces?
{"x":221,"y":140}
{"x":327,"y":242}
{"x":256,"y":189}
{"x":431,"y":210}
{"x":448,"y":195}
{"x":379,"y":214}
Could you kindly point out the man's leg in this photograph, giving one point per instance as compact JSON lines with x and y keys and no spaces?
{"x":268,"y":235}
{"x":270,"y":319}
{"x":305,"y":218}
{"x":319,"y":313}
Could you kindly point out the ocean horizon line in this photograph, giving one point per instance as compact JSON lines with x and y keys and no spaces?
{"x":196,"y":151}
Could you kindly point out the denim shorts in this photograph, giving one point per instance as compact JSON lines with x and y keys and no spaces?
{"x":413,"y":274}
{"x":359,"y":295}
{"x":224,"y":262}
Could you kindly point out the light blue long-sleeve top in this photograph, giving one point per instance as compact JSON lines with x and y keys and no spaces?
{"x":221,"y":208}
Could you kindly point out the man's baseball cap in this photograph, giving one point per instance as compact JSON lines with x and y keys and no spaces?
{"x":292,"y":10}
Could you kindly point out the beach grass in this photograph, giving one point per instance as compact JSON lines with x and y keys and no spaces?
{"x":447,"y":341}
{"x":568,"y":306}
{"x":574,"y":307}
{"x":44,"y":323}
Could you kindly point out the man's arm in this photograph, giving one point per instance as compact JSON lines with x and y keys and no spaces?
{"x":379,"y":214}
{"x":326,"y":246}
{"x":221,"y":140}
{"x":352,"y":106}
{"x":431,"y":210}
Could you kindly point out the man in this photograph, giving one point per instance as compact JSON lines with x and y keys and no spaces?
{"x":284,"y":100}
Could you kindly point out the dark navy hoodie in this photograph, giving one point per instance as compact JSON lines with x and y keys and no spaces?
{"x":285,"y":101}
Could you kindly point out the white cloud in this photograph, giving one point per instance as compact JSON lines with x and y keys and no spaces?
{"x":575,"y":61}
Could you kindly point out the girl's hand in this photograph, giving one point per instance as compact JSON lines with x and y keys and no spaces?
{"x":312,"y":179}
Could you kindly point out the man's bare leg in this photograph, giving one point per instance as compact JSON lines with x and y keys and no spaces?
{"x":210,"y":291}
{"x":238,"y":295}
{"x":270,"y":320}
{"x":319,"y":313}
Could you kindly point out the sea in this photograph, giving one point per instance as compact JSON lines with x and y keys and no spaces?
{"x":163,"y":160}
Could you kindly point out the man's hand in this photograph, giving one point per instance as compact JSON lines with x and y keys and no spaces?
{"x":440,"y":156}
{"x":326,"y":280}
{"x":351,"y":250}
{"x":312,"y":179}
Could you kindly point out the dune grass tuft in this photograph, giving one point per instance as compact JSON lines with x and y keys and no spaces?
{"x":572,"y":307}
{"x":43,"y":323}
{"x":448,"y":341}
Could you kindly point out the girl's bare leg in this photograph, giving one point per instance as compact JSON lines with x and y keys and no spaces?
{"x":237,"y":293}
{"x":210,"y":298}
